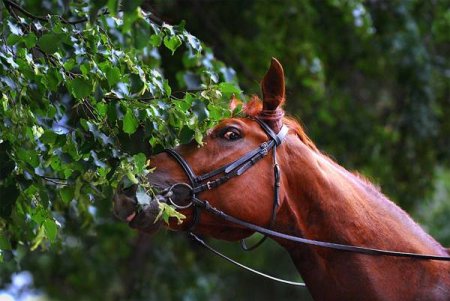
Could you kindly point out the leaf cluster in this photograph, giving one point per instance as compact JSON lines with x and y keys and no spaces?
{"x":74,"y":89}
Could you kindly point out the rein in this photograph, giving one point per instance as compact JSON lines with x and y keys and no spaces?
{"x":237,"y":168}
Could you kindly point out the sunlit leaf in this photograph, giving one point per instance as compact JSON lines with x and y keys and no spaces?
{"x":172,"y":42}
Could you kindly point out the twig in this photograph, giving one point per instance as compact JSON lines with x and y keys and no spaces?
{"x":56,"y":181}
{"x":112,"y":97}
{"x":9,"y":4}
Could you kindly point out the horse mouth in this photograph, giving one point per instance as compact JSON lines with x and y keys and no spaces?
{"x":127,"y":208}
{"x":131,"y":217}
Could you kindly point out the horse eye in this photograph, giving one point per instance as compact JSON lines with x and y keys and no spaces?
{"x":231,"y":134}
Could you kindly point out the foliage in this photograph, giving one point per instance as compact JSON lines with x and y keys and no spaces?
{"x":73,"y":89}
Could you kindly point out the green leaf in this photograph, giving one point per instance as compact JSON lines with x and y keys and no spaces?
{"x":130,"y":123}
{"x":50,"y":229}
{"x":67,"y":194}
{"x":166,"y":211}
{"x":113,"y":75}
{"x":186,"y":135}
{"x":172,"y":42}
{"x":50,"y":42}
{"x":155,"y":40}
{"x":167,"y":88}
{"x":38,"y":239}
{"x":13,"y":39}
{"x":140,"y":162}
{"x":30,"y":40}
{"x":80,"y":87}
{"x":113,"y":6}
{"x":132,"y":177}
{"x":229,"y":88}
{"x":198,"y":136}
{"x":102,"y":108}
{"x":28,"y":156}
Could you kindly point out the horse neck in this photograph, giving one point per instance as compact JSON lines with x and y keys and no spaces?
{"x":323,"y":201}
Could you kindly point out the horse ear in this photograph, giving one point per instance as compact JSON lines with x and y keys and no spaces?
{"x":234,"y":103}
{"x":273,"y":87}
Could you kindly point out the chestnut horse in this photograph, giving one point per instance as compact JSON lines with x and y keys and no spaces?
{"x":318,"y":199}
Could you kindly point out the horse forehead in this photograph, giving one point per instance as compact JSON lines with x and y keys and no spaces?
{"x":244,"y":123}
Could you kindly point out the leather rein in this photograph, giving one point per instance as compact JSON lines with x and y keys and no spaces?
{"x":236,"y":168}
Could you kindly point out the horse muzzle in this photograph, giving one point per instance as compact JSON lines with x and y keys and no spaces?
{"x":140,"y":216}
{"x":129,"y":206}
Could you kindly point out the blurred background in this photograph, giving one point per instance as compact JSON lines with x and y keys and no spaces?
{"x":369,"y":80}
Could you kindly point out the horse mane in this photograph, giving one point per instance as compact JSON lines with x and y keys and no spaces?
{"x":254,"y":107}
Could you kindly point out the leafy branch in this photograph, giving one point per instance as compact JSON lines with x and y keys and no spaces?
{"x":73,"y":98}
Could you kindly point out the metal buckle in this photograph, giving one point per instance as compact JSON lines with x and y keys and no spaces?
{"x":264,"y":148}
{"x":208,"y":185}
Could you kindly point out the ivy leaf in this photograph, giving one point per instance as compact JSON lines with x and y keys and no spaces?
{"x":155,"y":40}
{"x":172,"y":42}
{"x":130,"y":123}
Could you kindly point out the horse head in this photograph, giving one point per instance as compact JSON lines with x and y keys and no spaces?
{"x":248,"y":197}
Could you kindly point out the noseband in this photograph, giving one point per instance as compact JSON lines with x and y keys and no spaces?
{"x":222,"y":174}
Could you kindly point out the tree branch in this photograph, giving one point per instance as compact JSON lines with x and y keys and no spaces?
{"x":10,"y":4}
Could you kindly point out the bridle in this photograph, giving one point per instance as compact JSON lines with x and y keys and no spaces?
{"x":222,"y":174}
{"x":236,"y":168}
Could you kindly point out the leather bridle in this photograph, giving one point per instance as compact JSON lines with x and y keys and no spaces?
{"x":222,"y":174}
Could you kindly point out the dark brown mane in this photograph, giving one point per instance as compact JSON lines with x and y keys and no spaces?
{"x":254,"y":107}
